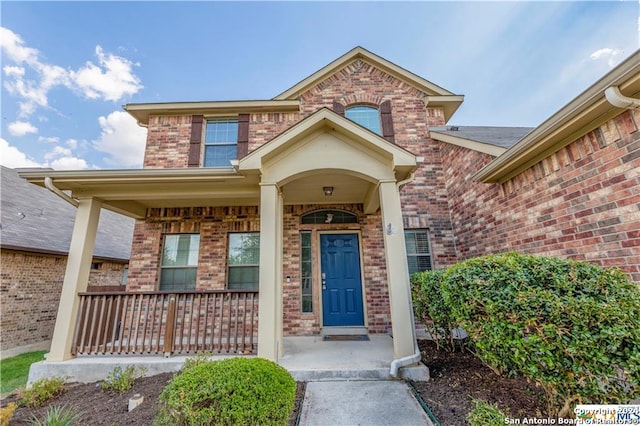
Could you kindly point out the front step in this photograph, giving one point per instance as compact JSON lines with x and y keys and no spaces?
{"x":333,"y":331}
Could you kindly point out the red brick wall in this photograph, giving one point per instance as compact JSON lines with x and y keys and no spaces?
{"x":30,"y":292}
{"x":213,"y":225}
{"x":424,"y":200}
{"x":168,"y":142}
{"x":583,"y":202}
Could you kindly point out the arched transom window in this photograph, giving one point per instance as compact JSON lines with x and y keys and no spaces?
{"x":365,"y":116}
{"x":328,"y":216}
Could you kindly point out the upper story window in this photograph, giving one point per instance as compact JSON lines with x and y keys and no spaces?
{"x":365,"y":116}
{"x":221,"y":142}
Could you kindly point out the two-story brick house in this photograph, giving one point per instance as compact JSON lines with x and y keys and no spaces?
{"x":307,"y":212}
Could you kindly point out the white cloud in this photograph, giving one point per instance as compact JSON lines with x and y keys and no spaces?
{"x":11,"y":71}
{"x":606,"y":53}
{"x":14,"y":47}
{"x":21,"y":128}
{"x":58,"y":151}
{"x":122,"y":139}
{"x":69,"y":163}
{"x":61,"y":158}
{"x":49,"y":139}
{"x":72,"y":143}
{"x":12,"y":157}
{"x":112,"y":80}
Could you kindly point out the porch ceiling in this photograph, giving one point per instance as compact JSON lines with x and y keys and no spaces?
{"x":309,"y":189}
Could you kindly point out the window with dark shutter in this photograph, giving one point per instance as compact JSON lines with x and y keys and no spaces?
{"x":243,"y":135}
{"x":196,"y":140}
{"x":365,"y":116}
{"x":221,"y":142}
{"x":387,"y":121}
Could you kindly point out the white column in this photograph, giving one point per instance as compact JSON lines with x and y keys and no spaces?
{"x":270,"y":297}
{"x":397,"y":271}
{"x":76,"y":277}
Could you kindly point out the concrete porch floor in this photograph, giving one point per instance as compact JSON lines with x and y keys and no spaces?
{"x":307,"y":358}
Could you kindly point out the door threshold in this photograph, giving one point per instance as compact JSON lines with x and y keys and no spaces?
{"x":332,"y":331}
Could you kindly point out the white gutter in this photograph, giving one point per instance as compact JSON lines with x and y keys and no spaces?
{"x":48,"y":183}
{"x":411,"y":359}
{"x":617,"y":99}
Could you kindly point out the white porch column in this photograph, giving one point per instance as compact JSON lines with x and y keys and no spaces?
{"x":397,"y":271}
{"x":270,"y":297}
{"x":76,"y":277}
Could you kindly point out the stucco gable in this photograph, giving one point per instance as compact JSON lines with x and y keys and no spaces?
{"x":326,"y":121}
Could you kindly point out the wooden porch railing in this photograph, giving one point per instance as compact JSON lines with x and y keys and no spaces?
{"x":161,"y":322}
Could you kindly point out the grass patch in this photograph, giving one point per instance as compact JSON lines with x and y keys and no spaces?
{"x":14,"y":371}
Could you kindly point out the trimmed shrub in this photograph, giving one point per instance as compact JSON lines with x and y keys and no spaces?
{"x":250,"y":391}
{"x":573,"y":327}
{"x":430,"y":308}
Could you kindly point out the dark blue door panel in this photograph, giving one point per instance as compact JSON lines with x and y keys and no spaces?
{"x":342,"y":286}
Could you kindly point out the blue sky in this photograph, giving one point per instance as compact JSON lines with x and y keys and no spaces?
{"x":68,"y":67}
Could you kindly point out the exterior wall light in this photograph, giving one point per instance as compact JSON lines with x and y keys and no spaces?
{"x":328,"y":191}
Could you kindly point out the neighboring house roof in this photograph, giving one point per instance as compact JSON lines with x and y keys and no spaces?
{"x":583,"y":114}
{"x":490,"y":140}
{"x":35,"y":219}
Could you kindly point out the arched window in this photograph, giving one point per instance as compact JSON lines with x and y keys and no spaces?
{"x":365,"y":116}
{"x":328,"y":216}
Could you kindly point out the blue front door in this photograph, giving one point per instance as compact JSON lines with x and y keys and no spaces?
{"x":341,"y":280}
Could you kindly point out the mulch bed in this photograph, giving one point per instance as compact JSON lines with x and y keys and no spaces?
{"x":456,"y":379}
{"x":107,"y":408}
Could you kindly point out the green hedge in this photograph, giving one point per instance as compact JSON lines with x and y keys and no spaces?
{"x":430,"y":308}
{"x":573,"y":327}
{"x":234,"y":391}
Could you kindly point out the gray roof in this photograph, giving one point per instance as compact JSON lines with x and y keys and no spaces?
{"x":35,"y":219}
{"x":503,"y":137}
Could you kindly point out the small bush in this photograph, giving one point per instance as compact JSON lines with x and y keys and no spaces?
{"x":58,"y":416}
{"x":120,"y":380}
{"x":234,"y":391}
{"x":572,"y":326}
{"x":42,"y":391}
{"x":6,"y":413}
{"x":430,"y":308}
{"x":485,"y":414}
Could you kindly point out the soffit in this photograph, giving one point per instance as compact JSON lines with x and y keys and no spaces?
{"x":142,"y":112}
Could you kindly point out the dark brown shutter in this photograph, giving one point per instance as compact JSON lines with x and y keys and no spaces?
{"x":243,"y":135}
{"x":338,"y":108}
{"x":387,"y":121}
{"x":196,"y":140}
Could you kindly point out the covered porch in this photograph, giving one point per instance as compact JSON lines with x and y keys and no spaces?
{"x":324,"y":150}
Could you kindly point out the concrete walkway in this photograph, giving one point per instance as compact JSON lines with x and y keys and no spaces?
{"x":370,"y":403}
